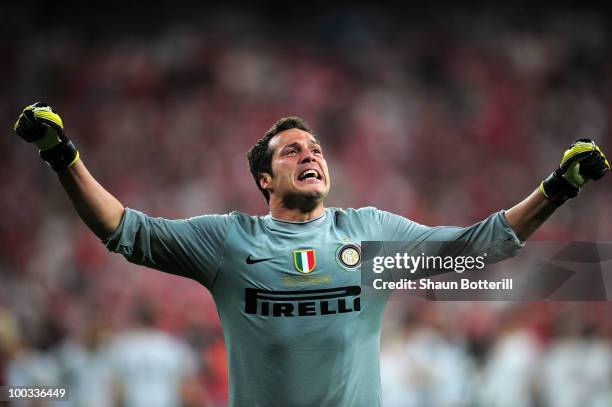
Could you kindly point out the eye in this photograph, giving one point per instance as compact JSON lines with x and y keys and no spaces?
{"x":291,"y":152}
{"x":317,"y":151}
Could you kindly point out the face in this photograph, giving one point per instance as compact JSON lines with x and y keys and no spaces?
{"x":299,"y":170}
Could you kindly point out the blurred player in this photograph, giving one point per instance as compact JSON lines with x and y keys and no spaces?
{"x":153,"y":368}
{"x":287,"y":285}
{"x":85,"y":366}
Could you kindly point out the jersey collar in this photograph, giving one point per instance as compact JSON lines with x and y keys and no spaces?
{"x":285,"y":225}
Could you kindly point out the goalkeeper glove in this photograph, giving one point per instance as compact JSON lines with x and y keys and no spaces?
{"x":41,"y":125}
{"x":581,"y":162}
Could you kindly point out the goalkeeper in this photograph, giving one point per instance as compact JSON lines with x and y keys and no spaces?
{"x":317,"y":344}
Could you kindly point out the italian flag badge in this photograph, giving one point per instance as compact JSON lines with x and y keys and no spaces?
{"x":304,"y":260}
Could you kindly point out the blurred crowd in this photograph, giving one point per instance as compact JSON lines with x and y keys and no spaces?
{"x":500,"y":355}
{"x":443,"y":116}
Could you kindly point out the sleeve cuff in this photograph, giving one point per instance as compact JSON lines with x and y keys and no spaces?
{"x":509,"y":230}
{"x":112,"y":241}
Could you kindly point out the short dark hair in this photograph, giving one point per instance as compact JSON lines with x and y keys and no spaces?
{"x":260,"y":155}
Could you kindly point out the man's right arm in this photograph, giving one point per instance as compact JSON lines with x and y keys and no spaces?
{"x":188,"y":247}
{"x":100,"y":210}
{"x":40,"y":125}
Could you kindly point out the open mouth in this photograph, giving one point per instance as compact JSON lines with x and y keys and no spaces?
{"x":310,"y":175}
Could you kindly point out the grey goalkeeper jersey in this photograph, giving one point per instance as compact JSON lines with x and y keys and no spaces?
{"x":297,"y":329}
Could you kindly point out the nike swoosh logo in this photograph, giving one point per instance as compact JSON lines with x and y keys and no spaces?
{"x":250,"y":260}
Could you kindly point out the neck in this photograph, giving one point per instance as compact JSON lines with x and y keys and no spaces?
{"x":280,"y":211}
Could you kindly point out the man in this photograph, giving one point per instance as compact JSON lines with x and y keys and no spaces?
{"x":296,"y":329}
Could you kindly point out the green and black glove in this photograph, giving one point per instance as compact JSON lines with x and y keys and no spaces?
{"x":582,"y":161}
{"x":41,"y":125}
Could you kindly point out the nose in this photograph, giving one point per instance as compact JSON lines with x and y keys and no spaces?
{"x":307,"y":157}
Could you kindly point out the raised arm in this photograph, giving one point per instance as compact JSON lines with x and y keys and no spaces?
{"x":41,"y":125}
{"x":503,"y":233}
{"x":526,"y":216}
{"x":191,"y":247}
{"x":100,"y":210}
{"x":582,"y":162}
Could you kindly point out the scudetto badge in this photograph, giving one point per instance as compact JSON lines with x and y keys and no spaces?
{"x":349,"y":255}
{"x":304,"y":260}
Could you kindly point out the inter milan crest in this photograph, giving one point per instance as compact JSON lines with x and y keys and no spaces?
{"x":304,"y":260}
{"x":349,"y":255}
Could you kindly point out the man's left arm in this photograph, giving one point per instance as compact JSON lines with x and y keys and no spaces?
{"x":582,"y":162}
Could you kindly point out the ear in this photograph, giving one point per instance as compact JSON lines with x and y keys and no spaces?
{"x":265,"y":180}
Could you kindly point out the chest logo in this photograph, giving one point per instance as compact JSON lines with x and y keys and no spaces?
{"x":304,"y":260}
{"x":349,"y":255}
{"x":250,"y":260}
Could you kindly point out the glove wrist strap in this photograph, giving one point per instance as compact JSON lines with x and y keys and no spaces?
{"x":62,"y":156}
{"x":557,"y":189}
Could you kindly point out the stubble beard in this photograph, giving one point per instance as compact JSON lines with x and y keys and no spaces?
{"x":304,"y":201}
